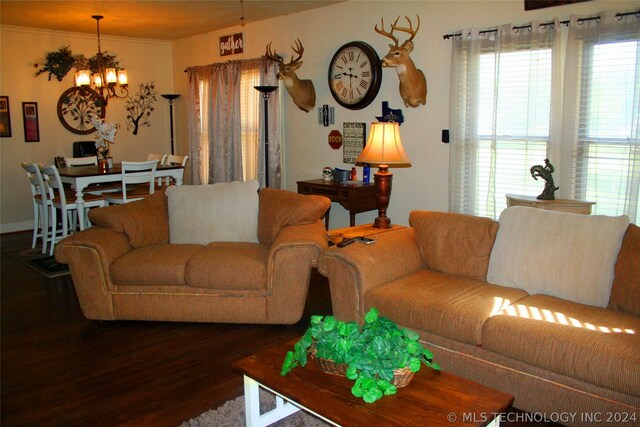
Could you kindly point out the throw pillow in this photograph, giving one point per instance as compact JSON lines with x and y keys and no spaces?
{"x":145,"y":222}
{"x":566,"y":255}
{"x":224,"y":212}
{"x":280,"y":208}
{"x":454,"y":243}
{"x":625,"y":293}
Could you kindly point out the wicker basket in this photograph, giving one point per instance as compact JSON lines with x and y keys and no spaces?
{"x":401,"y":377}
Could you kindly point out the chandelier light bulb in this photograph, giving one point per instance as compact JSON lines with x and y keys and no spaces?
{"x":122,"y":77}
{"x":97,"y":80}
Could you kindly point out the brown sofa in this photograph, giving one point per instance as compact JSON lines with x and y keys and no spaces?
{"x":556,"y":356}
{"x":125,"y":268}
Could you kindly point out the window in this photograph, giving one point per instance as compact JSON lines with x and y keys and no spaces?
{"x":607,"y":152}
{"x":516,"y":101}
{"x":225,"y":122}
{"x":513,"y":125}
{"x":250,"y":122}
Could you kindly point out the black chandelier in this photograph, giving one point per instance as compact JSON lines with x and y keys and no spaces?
{"x":108,"y":82}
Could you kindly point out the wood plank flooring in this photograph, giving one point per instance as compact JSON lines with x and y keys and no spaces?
{"x":60,"y":369}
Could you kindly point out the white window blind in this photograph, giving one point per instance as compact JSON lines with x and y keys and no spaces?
{"x":606,"y":157}
{"x":513,"y":125}
{"x":501,"y":110}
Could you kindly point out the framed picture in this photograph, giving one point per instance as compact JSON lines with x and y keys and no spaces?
{"x":353,"y":141}
{"x":30,"y":118}
{"x":539,"y":4}
{"x":5,"y":118}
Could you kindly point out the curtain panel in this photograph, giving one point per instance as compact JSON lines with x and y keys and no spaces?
{"x":224,"y":136}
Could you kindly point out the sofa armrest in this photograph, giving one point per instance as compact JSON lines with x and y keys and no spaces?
{"x":89,"y":254}
{"x":356,"y":269}
{"x":292,"y":255}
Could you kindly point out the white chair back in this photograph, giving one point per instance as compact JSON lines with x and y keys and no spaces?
{"x":80,"y":161}
{"x":54,"y":185}
{"x":40,"y":203}
{"x":176,"y":160}
{"x":139,"y":173}
{"x":72,"y":216}
{"x":161,"y":158}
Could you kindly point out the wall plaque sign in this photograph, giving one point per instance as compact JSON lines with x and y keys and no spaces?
{"x":232,"y":44}
{"x":353,"y":141}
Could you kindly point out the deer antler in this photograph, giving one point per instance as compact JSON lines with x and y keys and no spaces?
{"x":272,"y":56}
{"x":299,"y":49}
{"x":386,"y":33}
{"x":409,"y":30}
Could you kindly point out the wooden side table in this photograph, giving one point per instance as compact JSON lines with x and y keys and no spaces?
{"x":356,"y":197}
{"x":365,"y":230}
{"x":564,"y":205}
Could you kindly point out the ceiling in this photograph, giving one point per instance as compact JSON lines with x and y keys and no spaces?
{"x":161,"y":20}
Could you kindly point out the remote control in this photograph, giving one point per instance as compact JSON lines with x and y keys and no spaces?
{"x":346,"y":241}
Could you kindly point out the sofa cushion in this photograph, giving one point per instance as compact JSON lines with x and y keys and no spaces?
{"x":280,"y":208}
{"x":144,"y":222}
{"x":224,"y":212}
{"x":625,"y":293}
{"x":589,"y":343}
{"x":230,"y":266}
{"x":153,"y":265}
{"x":562,"y":254}
{"x":454,"y":243}
{"x":446,"y":305}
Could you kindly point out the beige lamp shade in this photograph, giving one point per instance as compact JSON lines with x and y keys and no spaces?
{"x":384,"y":146}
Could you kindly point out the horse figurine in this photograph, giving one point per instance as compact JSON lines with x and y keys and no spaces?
{"x":545,"y":172}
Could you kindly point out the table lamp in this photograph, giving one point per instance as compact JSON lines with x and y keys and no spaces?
{"x":383,"y":148}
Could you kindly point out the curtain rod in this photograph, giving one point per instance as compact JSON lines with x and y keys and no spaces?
{"x":544,"y":24}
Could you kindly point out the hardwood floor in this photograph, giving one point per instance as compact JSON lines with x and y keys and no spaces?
{"x":60,"y":369}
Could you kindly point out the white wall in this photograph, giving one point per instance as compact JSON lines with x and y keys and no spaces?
{"x":20,"y":49}
{"x":323,"y":31}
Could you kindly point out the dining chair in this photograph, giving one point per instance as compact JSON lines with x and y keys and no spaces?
{"x":91,"y":161}
{"x":173,"y":160}
{"x":70,"y":216}
{"x":161,"y":158}
{"x":40,"y":204}
{"x":80,"y":161}
{"x":135,"y":173}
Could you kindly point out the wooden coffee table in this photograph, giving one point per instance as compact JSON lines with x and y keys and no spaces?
{"x":432,"y":399}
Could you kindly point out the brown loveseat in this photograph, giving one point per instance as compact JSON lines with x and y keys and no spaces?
{"x":555,"y":355}
{"x":124,"y":267}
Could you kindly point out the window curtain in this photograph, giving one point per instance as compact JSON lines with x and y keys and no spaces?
{"x":220,"y":109}
{"x":602,"y":113}
{"x":498,"y":107}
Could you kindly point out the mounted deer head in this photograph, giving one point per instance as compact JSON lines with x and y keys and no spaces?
{"x":413,"y":84}
{"x":301,"y":91}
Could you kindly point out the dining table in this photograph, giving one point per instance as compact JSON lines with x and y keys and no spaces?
{"x":80,"y":177}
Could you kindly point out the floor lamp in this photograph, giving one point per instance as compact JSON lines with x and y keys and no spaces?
{"x":171,"y":97}
{"x":266,"y":91}
{"x":383,"y":148}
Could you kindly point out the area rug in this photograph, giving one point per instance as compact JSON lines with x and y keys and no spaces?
{"x":231,"y":414}
{"x":43,"y":263}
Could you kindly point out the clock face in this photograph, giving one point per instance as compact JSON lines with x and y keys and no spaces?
{"x":355,"y":75}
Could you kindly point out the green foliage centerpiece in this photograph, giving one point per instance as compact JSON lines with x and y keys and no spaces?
{"x":379,"y":355}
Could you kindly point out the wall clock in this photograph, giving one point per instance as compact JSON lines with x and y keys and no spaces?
{"x":355,"y":75}
{"x":77,"y":106}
